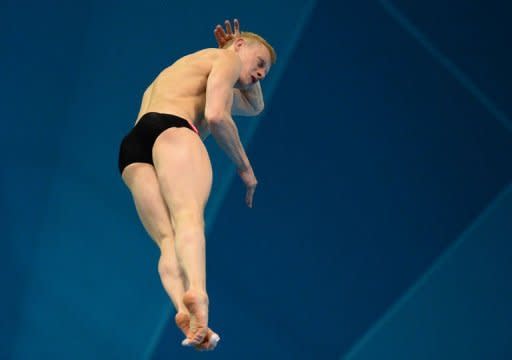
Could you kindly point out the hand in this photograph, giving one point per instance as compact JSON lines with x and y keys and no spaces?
{"x":250,"y":183}
{"x":223,"y":37}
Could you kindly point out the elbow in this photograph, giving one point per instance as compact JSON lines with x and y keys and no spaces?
{"x":259,"y":109}
{"x":214,"y":118}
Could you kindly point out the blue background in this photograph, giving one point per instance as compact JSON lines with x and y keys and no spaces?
{"x":381,"y":227}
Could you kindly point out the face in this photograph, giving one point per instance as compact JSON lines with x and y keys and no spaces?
{"x":255,"y":62}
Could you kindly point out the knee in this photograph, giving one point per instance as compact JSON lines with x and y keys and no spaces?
{"x":187,"y":221}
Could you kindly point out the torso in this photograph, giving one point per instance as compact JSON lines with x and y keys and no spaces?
{"x":180,"y":89}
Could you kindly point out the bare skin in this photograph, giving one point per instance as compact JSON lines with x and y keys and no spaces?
{"x":188,"y":100}
{"x":203,"y":88}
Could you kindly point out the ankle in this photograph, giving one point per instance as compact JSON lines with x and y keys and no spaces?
{"x":182,"y":310}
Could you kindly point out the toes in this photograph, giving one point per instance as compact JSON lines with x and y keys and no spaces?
{"x":214,"y":340}
{"x":185,"y":342}
{"x":210,"y":342}
{"x":195,"y":339}
{"x":199,"y":337}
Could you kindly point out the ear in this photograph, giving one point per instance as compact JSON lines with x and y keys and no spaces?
{"x":239,"y":42}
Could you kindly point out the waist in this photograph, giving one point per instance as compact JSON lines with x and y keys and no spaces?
{"x":163,"y":118}
{"x":170,"y":117}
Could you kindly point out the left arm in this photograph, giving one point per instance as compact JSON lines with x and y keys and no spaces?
{"x":248,"y":102}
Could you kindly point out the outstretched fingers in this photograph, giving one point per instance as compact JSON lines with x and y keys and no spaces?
{"x":224,"y":36}
{"x":237,"y":27}
{"x":227,"y":24}
{"x":220,"y":35}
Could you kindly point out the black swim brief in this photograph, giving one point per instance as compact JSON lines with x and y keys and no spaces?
{"x":137,"y":146}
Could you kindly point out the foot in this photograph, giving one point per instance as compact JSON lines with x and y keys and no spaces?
{"x":182,"y":320}
{"x":210,"y":341}
{"x":197,"y":306}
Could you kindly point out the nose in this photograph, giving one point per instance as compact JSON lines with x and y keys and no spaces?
{"x":260,"y":74}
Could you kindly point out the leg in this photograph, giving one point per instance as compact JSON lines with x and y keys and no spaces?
{"x":185,"y":176}
{"x":142,"y":182}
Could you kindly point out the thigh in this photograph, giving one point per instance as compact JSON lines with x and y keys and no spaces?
{"x":153,"y":212}
{"x":184,"y":172}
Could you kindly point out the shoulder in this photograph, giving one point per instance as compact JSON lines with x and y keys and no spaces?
{"x":224,"y":57}
{"x":216,"y":56}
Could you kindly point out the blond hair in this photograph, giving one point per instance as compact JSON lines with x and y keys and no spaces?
{"x":252,"y":37}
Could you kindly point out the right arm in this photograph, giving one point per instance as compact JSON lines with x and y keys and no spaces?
{"x":246,"y":102}
{"x":219,"y":100}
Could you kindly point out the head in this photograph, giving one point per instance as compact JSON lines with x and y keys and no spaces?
{"x":256,"y":55}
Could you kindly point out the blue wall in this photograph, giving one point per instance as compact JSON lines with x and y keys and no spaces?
{"x":385,"y":135}
{"x":460,"y":309}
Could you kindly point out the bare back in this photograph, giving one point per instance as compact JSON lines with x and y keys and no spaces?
{"x":180,"y":89}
